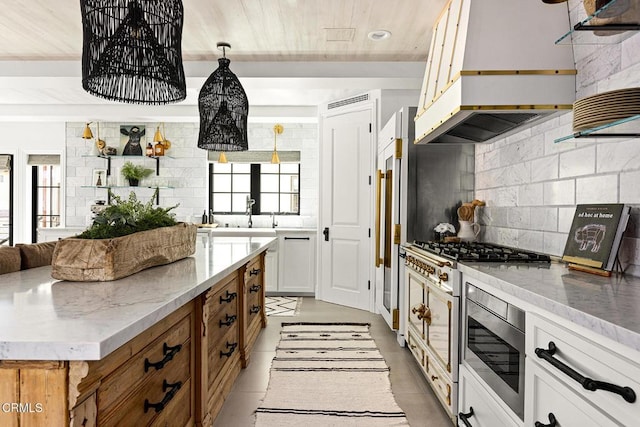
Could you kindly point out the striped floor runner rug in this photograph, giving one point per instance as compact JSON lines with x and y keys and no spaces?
{"x":328,"y":374}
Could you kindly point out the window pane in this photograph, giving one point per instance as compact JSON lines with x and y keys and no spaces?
{"x":221,"y":183}
{"x":288,"y":183}
{"x":269,"y":203}
{"x":289,"y":168}
{"x":222,"y":167}
{"x":239,"y":202}
{"x":269,"y":168}
{"x":241,"y":183}
{"x":222,"y":202}
{"x":289,"y":202}
{"x":241,"y":167}
{"x":268,"y":183}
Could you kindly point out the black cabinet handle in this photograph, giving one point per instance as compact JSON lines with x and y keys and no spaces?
{"x":297,"y":238}
{"x":166,"y":399}
{"x":255,"y":309}
{"x":326,"y":234}
{"x":627,"y":393}
{"x":465,"y":417}
{"x":254,"y":288}
{"x":232,"y":347}
{"x":168,"y":352}
{"x":230,"y":296}
{"x":229,"y":320}
{"x":552,"y":421}
{"x":255,"y":272}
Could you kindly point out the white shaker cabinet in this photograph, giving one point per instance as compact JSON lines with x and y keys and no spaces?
{"x":297,"y":262}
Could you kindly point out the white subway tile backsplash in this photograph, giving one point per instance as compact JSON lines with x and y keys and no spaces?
{"x":544,"y":219}
{"x":530,"y":195}
{"x":630,"y":187}
{"x":519,"y":218}
{"x":531,"y":240}
{"x":559,"y":193}
{"x":578,"y":162}
{"x":621,"y":156}
{"x":597,"y":189}
{"x":565,"y":218}
{"x":554,"y":243}
{"x":545,"y":168}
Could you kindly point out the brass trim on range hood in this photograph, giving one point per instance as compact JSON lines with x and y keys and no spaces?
{"x":493,"y":73}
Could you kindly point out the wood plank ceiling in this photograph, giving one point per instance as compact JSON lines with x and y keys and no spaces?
{"x":258,"y":30}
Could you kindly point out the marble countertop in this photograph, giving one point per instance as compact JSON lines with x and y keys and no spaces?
{"x":609,"y":306}
{"x":45,"y":319}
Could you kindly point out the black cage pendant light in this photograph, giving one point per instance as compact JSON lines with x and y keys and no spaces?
{"x":224,"y":107}
{"x":132,"y":50}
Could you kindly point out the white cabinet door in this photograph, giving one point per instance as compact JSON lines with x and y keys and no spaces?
{"x":271,"y":270}
{"x":478,"y":404}
{"x":297,"y":255}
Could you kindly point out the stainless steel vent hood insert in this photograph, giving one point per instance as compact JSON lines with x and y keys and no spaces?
{"x":494,"y":69}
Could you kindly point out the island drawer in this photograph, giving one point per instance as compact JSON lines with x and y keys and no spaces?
{"x":223,"y":296}
{"x":168,"y":357}
{"x":254,"y":270}
{"x":575,"y":351}
{"x":139,"y":403}
{"x":222,"y":354}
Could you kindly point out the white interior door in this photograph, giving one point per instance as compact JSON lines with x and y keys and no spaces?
{"x":346,"y":204}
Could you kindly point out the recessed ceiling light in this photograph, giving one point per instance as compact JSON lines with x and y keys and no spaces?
{"x":378,"y":35}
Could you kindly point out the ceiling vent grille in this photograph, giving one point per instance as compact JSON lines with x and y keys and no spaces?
{"x":348,"y":101}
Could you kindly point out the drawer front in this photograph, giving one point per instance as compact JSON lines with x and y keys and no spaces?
{"x":440,"y":381}
{"x":590,"y":360}
{"x":222,"y":354}
{"x":550,"y":396}
{"x":220,"y":322}
{"x":223,"y":297}
{"x":480,"y":408}
{"x":159,"y":357}
{"x":152,"y":396}
{"x":416,"y":348}
{"x":254,"y":270}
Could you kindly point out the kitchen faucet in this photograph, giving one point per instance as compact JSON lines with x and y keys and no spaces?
{"x":274,"y":224}
{"x":250,"y":203}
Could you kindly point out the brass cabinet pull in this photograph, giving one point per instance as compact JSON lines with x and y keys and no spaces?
{"x":443,"y":276}
{"x":388,"y":192}
{"x":426,"y":316}
{"x":158,"y":407}
{"x":379,"y":178}
{"x":169,"y":353}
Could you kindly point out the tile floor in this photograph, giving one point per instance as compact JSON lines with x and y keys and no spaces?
{"x":409,"y":386}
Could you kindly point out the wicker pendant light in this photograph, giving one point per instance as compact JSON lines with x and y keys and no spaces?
{"x":224,"y":108}
{"x":132,"y":50}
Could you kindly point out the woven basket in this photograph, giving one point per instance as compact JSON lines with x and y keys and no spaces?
{"x":99,"y":260}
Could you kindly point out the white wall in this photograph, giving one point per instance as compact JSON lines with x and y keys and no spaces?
{"x":531,"y":185}
{"x":21,"y":139}
{"x":185,"y":169}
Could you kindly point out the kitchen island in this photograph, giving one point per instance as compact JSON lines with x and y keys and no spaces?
{"x":581,"y":346}
{"x":94,"y":353}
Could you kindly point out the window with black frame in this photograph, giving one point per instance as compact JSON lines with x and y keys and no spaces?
{"x":46,"y":197}
{"x":274,"y":187}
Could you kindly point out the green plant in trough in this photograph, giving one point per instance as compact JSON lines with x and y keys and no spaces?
{"x":129,"y":216}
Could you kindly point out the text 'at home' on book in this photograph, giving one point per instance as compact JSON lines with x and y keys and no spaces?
{"x":595,"y":235}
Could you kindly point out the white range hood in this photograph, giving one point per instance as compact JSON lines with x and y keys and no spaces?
{"x":493,"y":69}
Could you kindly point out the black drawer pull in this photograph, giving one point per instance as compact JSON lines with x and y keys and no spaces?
{"x":255,"y":272}
{"x":230,"y":296}
{"x":465,"y":417}
{"x":254,"y":288}
{"x":232,"y":347}
{"x":229,"y":321}
{"x":166,"y":399}
{"x":168,"y":352}
{"x":255,"y":309}
{"x":297,"y":238}
{"x":627,"y":393}
{"x":552,"y":421}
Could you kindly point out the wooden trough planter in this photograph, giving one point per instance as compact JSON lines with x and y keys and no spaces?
{"x":91,"y":260}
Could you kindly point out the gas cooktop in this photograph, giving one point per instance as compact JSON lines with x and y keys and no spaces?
{"x":482,"y":252}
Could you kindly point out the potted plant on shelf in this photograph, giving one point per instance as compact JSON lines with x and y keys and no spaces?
{"x":124,"y":238}
{"x":134,"y":173}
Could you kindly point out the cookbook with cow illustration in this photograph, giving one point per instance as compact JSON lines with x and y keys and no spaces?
{"x":595,"y":235}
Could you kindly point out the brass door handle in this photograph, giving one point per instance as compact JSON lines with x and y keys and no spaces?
{"x":443,"y":276}
{"x":425,"y":316}
{"x":379,"y":178}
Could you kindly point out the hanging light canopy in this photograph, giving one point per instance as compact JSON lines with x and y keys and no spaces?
{"x":277,"y":130}
{"x":132,"y":50}
{"x":224,"y":108}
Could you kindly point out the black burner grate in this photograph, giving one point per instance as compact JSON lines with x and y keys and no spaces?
{"x":482,"y":252}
